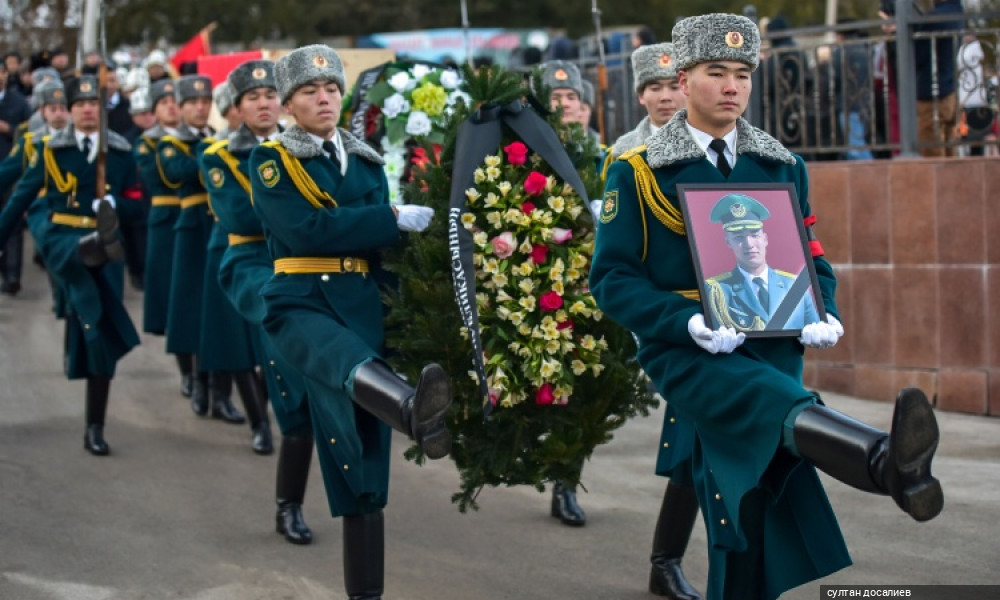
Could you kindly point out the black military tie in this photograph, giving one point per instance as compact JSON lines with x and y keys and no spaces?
{"x":762,"y":295}
{"x":719,"y":145}
{"x":330,"y":148}
{"x":87,"y":145}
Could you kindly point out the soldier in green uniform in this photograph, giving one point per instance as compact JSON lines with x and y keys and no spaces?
{"x":164,"y":209}
{"x":178,"y":161}
{"x":246,"y":266}
{"x":323,"y":199}
{"x":758,"y":433}
{"x":77,"y":232}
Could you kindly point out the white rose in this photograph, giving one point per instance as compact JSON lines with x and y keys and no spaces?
{"x":449,"y":79}
{"x":418,"y":123}
{"x":419,"y":71}
{"x":394,"y":105}
{"x":457,"y":95}
{"x":400,"y":81}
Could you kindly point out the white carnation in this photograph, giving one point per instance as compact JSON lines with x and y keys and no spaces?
{"x":418,"y":123}
{"x":394,"y":105}
{"x":449,"y":79}
{"x":419,"y":71}
{"x":400,"y":81}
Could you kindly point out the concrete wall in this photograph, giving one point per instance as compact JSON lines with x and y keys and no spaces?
{"x":916,"y":249}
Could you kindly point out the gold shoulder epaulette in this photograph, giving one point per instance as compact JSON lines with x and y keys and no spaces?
{"x":630,"y":153}
{"x":721,"y":277}
{"x":216,"y":146}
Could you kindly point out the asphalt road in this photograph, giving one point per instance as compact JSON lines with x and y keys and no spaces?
{"x":183,"y":510}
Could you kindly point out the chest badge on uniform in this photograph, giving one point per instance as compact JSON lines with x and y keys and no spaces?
{"x":169,"y":152}
{"x":269,"y":174}
{"x":216,"y":176}
{"x":609,"y":208}
{"x":143,"y":149}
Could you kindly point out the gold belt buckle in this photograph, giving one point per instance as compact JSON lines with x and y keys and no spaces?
{"x":347,"y":265}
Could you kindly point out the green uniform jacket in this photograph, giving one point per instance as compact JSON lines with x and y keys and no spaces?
{"x":327,"y":324}
{"x":98,"y":328}
{"x":642,"y":277}
{"x":246,"y":267}
{"x":179,"y":161}
{"x":163,"y":215}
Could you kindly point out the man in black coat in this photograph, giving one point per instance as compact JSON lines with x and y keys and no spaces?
{"x":14,"y":110}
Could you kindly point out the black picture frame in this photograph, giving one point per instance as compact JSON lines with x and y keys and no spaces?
{"x":750,"y":227}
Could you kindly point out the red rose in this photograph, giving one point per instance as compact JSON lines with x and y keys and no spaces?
{"x":527,"y":207}
{"x":550,"y":301}
{"x":534,"y":185}
{"x":538,"y":253}
{"x":517,"y":153}
{"x":544,"y":395}
{"x":564,"y":325}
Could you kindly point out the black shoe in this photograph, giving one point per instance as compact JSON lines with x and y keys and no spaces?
{"x":261,"y":441}
{"x":223,"y":409}
{"x":291,"y":525}
{"x":667,"y":579}
{"x":11,"y":288}
{"x":565,"y":507}
{"x":199,"y":395}
{"x":187,"y":384}
{"x":93,"y":441}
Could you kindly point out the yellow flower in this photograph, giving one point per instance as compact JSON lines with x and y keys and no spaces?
{"x":526,"y":268}
{"x":468,"y":220}
{"x":557,"y":204}
{"x":500,"y":279}
{"x":492,"y":160}
{"x":524,"y":352}
{"x":517,"y":317}
{"x":492,"y":173}
{"x":472,"y":194}
{"x":430,"y":99}
{"x":557,"y":287}
{"x":578,"y":308}
{"x":491,"y":200}
{"x":567,"y":190}
{"x":598,"y":315}
{"x":525,"y":247}
{"x":574,"y":211}
{"x":504,"y":187}
{"x":578,"y":367}
{"x":479,"y":175}
{"x":524,"y":329}
{"x":494,"y":219}
{"x":597,"y":368}
{"x":578,"y":261}
{"x":552,"y":346}
{"x":526,"y":285}
{"x":528,"y":302}
{"x":602,"y":344}
{"x":503,"y":296}
{"x":480,"y":238}
{"x":572,"y":274}
{"x":537,"y":333}
{"x":561,"y":316}
{"x":482,"y":299}
{"x":464,"y":332}
{"x":588,"y":342}
{"x":567,"y":346}
{"x":472,"y":375}
{"x":503,"y":312}
{"x":513,"y":216}
{"x":549,"y":367}
{"x":477,"y":259}
{"x":550,"y":183}
{"x":491,"y":266}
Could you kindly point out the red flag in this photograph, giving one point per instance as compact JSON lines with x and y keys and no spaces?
{"x":199,"y":45}
{"x":218,"y":66}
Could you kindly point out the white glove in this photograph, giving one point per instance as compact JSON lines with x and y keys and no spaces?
{"x":97,"y":202}
{"x":822,"y":335}
{"x":413,"y":218}
{"x":595,"y":208}
{"x":724,"y":339}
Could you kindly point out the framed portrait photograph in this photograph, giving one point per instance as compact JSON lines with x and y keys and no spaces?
{"x":755,"y":271}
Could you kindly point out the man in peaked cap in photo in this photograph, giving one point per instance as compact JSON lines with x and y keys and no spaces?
{"x":245,"y":267}
{"x":78,"y":238}
{"x":177,"y":157}
{"x":164,"y":210}
{"x":760,"y":434}
{"x":746,"y":297}
{"x":323,"y":199}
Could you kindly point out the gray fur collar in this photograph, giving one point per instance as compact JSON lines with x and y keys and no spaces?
{"x":67,"y":139}
{"x":300,"y":145}
{"x":185,"y":134}
{"x":155,"y":132}
{"x":633,"y":139}
{"x":242,"y":140}
{"x":673,"y":143}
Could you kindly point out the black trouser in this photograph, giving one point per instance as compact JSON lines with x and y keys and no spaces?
{"x":13,"y":255}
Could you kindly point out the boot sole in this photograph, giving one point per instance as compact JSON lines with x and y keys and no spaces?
{"x":433,"y":398}
{"x":107,"y":230}
{"x":915,"y":438}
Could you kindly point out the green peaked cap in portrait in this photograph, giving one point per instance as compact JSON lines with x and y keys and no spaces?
{"x":739,"y":212}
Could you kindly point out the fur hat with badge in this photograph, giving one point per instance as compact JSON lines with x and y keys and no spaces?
{"x":81,"y":88}
{"x":716,"y":37}
{"x":251,"y":75}
{"x":190,"y":87}
{"x":304,"y":65}
{"x":48,"y":92}
{"x":562,"y":74}
{"x":160,"y":90}
{"x":652,"y":63}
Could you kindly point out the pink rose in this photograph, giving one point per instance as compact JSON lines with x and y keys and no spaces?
{"x":538,"y":253}
{"x":534,"y":185}
{"x":503,"y":244}
{"x":560,"y":235}
{"x":544,"y":395}
{"x":550,"y":301}
{"x":517,"y":153}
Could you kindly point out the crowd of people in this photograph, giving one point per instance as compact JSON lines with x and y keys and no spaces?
{"x":279,"y":297}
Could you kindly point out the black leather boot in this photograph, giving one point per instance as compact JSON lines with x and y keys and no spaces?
{"x":419,"y":413}
{"x":260,"y":427}
{"x":673,"y":530}
{"x":97,"y":406}
{"x":896,"y":464}
{"x":103,"y":245}
{"x":199,"y":394}
{"x":565,"y":507}
{"x":364,"y":556}
{"x":185,"y":363}
{"x":220,"y":387}
{"x":294,"y":459}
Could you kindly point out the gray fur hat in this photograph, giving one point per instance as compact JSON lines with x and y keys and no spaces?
{"x":653,"y":62}
{"x":44,"y":74}
{"x":160,"y":90}
{"x":306,"y":64}
{"x":251,"y":75}
{"x":716,"y":37}
{"x":80,"y":88}
{"x":48,"y":92}
{"x":139,"y":101}
{"x":589,"y":96}
{"x":190,"y":87}
{"x":222,"y":95}
{"x":562,"y":74}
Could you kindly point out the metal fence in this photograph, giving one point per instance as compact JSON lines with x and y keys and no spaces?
{"x":831,"y":97}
